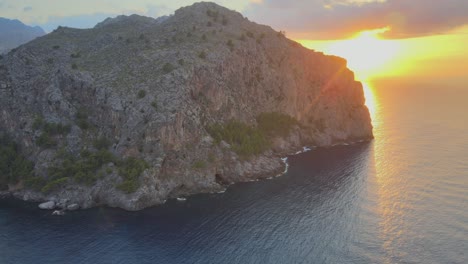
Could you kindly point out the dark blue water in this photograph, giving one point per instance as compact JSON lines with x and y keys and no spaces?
{"x":402,"y":198}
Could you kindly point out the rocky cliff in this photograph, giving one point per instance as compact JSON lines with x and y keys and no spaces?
{"x":138,"y":110}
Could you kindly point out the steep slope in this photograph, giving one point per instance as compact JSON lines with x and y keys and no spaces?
{"x":14,"y":33}
{"x":138,"y":110}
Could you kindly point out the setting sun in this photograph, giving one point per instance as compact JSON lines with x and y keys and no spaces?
{"x":366,"y":53}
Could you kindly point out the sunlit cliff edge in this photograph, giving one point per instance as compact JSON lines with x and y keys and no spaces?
{"x":138,"y":110}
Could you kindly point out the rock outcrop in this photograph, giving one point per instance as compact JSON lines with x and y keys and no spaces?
{"x":133,"y":100}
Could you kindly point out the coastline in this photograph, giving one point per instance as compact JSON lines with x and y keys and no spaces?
{"x":60,"y":205}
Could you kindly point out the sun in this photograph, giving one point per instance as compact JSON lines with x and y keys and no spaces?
{"x":367,"y":54}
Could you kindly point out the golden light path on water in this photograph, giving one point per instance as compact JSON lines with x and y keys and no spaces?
{"x":371,"y":101}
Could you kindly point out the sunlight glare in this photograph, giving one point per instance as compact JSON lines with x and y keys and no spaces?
{"x":366,"y":53}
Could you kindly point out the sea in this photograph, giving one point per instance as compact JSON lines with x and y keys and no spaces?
{"x":400,"y":198}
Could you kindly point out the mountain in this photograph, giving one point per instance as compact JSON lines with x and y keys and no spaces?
{"x":138,"y":110}
{"x":14,"y":33}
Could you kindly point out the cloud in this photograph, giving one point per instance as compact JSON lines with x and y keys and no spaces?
{"x":27,"y":8}
{"x":335,"y":19}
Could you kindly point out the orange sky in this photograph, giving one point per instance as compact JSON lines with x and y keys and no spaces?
{"x":432,"y":57}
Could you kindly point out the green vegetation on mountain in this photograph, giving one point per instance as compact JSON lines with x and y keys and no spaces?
{"x":247,"y":140}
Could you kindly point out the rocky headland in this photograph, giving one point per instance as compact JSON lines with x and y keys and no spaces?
{"x":137,"y":110}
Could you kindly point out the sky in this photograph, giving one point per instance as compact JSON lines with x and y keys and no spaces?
{"x":397,"y":37}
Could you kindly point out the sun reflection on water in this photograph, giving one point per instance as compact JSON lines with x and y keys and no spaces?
{"x":371,"y":102}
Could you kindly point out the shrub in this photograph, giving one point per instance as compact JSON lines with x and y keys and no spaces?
{"x":154,"y":104}
{"x":248,"y":140}
{"x":83,"y":124}
{"x":45,"y":140}
{"x":38,"y":123}
{"x":56,"y":47}
{"x":82,"y":118}
{"x":199,"y":164}
{"x":230,"y":44}
{"x":50,"y":61}
{"x":181,"y":62}
{"x":245,"y":140}
{"x":202,"y":55}
{"x":75,"y":55}
{"x":131,"y":168}
{"x":54,"y":185}
{"x":167,"y":68}
{"x":101,"y":143}
{"x":275,"y":124}
{"x":83,"y":170}
{"x":56,"y":129}
{"x":224,"y":21}
{"x":35,"y":183}
{"x":13,"y":165}
{"x":74,"y":66}
{"x":141,"y":93}
{"x":128,"y":186}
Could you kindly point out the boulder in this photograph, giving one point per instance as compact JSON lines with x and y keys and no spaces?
{"x":50,"y":205}
{"x":73,"y":207}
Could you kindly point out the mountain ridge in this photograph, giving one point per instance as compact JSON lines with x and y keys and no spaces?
{"x":14,"y":33}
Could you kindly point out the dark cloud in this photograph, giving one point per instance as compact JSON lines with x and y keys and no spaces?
{"x":334,"y":19}
{"x":27,"y":8}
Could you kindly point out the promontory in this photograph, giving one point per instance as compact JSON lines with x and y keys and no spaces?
{"x":138,"y":110}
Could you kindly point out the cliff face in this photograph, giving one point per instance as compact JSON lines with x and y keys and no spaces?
{"x":150,"y":90}
{"x":14,"y":33}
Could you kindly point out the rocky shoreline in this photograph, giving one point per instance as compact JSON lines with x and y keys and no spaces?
{"x":59,"y":206}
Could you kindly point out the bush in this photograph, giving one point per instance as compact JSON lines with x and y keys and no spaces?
{"x":247,"y":140}
{"x":56,"y":129}
{"x":224,"y":21}
{"x":128,"y":186}
{"x":75,"y":55}
{"x":141,"y":93}
{"x":101,"y":143}
{"x":199,"y":164}
{"x":44,"y":140}
{"x":275,"y":124}
{"x":202,"y":55}
{"x":54,"y":185}
{"x":131,"y":168}
{"x":82,"y":119}
{"x":167,"y":68}
{"x":38,"y":123}
{"x":244,"y":139}
{"x":84,"y":169}
{"x":154,"y":104}
{"x":13,"y":165}
{"x":74,"y":66}
{"x":35,"y":183}
{"x":230,"y":44}
{"x":56,"y":47}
